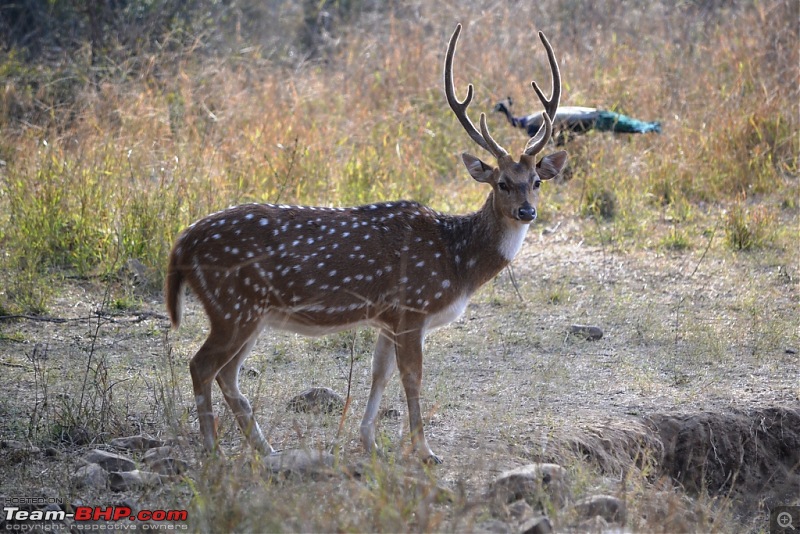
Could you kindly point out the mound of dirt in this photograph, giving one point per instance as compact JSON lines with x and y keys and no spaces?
{"x":752,"y":455}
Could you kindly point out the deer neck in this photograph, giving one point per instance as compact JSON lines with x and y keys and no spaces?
{"x":484,"y":243}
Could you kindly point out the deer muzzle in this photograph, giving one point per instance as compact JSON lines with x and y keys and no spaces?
{"x":526,"y":213}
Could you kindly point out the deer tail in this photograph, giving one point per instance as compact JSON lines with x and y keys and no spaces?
{"x":173,"y":290}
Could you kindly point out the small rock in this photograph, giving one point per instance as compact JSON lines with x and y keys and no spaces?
{"x":157,"y":453}
{"x":76,"y":435}
{"x":590,"y":333}
{"x":532,"y":483}
{"x":608,"y":507}
{"x":390,"y":413}
{"x":109,"y":460}
{"x":295,"y":461}
{"x":491,"y":526}
{"x":89,"y":476}
{"x":136,"y":443}
{"x":169,"y":466}
{"x":520,"y":510}
{"x":791,"y":350}
{"x":128,"y":480}
{"x":595,"y":524}
{"x":136,"y":270}
{"x":16,"y":445}
{"x":317,"y":400}
{"x":536,"y":525}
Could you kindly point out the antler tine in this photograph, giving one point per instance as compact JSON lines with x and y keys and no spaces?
{"x":538,"y":141}
{"x":485,"y":141}
{"x":495,"y":149}
{"x":542,"y":137}
{"x":551,"y":104}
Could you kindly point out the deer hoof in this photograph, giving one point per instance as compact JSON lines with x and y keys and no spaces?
{"x":432,"y":459}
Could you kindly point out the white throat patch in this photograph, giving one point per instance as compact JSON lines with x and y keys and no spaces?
{"x":512,"y":240}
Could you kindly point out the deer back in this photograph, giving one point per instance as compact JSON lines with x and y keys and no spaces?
{"x":317,"y":270}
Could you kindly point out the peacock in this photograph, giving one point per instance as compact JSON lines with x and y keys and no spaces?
{"x":572,"y":120}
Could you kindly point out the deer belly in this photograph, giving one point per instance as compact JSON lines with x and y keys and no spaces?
{"x":448,"y":314}
{"x":315,"y":320}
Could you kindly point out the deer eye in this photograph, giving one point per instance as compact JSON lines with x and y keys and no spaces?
{"x":536,"y":183}
{"x":503,"y":186}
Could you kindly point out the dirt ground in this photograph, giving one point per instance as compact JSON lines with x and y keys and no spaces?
{"x":696,"y":343}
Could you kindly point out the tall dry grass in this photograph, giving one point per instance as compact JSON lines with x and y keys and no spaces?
{"x":101,"y":167}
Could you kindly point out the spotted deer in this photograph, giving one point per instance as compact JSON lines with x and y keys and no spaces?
{"x":400,"y":267}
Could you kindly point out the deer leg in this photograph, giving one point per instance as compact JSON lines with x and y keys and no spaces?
{"x":409,"y":362}
{"x":383,"y":366}
{"x":204,"y":367}
{"x":228,"y":380}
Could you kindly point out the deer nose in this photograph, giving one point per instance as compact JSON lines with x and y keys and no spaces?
{"x":526,"y":212}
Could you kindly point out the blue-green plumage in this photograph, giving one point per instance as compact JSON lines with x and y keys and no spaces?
{"x":571,"y":120}
{"x":609,"y":121}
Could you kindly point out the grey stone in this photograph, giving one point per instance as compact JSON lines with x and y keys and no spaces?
{"x":588,"y":332}
{"x":491,"y":526}
{"x":110,"y":461}
{"x":128,"y":480}
{"x":534,"y":483}
{"x":296,"y":461}
{"x":520,"y":510}
{"x":169,"y":466}
{"x":536,"y":525}
{"x":608,"y":507}
{"x":90,"y":476}
{"x":317,"y":400}
{"x":156,"y":454}
{"x":136,"y":443}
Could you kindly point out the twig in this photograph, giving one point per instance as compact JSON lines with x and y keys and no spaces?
{"x":35,"y":318}
{"x":139,"y":317}
{"x":347,"y":398}
{"x":703,"y":255}
{"x":14,"y":365}
{"x":514,"y":282}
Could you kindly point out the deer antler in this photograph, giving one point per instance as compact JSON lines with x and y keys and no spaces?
{"x":538,"y":141}
{"x":484,"y":140}
{"x":550,"y":105}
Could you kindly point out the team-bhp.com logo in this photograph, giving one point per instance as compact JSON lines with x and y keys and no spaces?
{"x":17,"y":519}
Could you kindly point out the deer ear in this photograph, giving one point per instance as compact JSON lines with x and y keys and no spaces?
{"x":551,"y":165}
{"x":479,"y":170}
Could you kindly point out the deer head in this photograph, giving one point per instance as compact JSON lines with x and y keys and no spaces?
{"x":515,"y":184}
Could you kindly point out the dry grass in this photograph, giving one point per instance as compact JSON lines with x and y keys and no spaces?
{"x":693,"y":276}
